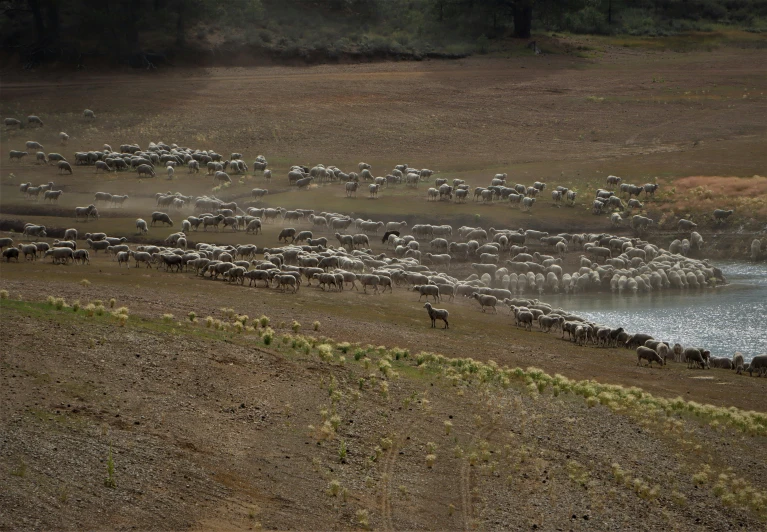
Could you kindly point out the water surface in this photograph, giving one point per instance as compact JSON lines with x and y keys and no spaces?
{"x":725,"y":320}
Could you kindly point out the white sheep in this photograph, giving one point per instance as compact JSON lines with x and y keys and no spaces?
{"x":437,"y":314}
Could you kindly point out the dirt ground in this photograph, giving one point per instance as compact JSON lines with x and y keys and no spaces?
{"x":210,"y":430}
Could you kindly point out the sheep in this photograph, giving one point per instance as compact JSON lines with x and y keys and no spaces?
{"x":145,"y":169}
{"x":486,"y":301}
{"x":524,"y":317}
{"x":327,"y":279}
{"x":721,"y":215}
{"x":59,"y":255}
{"x":15,"y":154}
{"x":142,"y":256}
{"x":97,"y":245}
{"x":285,"y":281}
{"x":373,"y":190}
{"x":34,"y":120}
{"x":437,"y":314}
{"x":65,"y":167}
{"x":170,"y":171}
{"x":696,"y":240}
{"x":194,"y":167}
{"x":686,"y":225}
{"x":52,"y":195}
{"x":427,"y":290}
{"x":81,"y":256}
{"x":40,"y":158}
{"x":32,"y":145}
{"x":11,"y":253}
{"x":759,"y":365}
{"x":737,"y":361}
{"x":721,"y":363}
{"x":161,"y":217}
{"x":254,"y":226}
{"x":35,"y":230}
{"x":5,"y":243}
{"x":28,"y":249}
{"x":12,"y":123}
{"x":694,"y":358}
{"x":369,"y":280}
{"x":645,"y":353}
{"x":360,"y":240}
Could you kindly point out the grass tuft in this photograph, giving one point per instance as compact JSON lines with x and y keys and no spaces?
{"x":85,"y":282}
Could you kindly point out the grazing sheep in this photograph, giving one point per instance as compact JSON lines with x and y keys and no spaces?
{"x":721,"y":215}
{"x":437,"y":314}
{"x":34,"y":120}
{"x":65,"y":167}
{"x":721,"y":363}
{"x":145,"y":169}
{"x":161,"y":217}
{"x":12,"y":123}
{"x":758,"y":364}
{"x":141,"y":227}
{"x":5,"y":243}
{"x":694,"y":358}
{"x":89,"y":115}
{"x":650,"y":355}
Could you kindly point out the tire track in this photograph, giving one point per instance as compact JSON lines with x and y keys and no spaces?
{"x":390,"y":459}
{"x":467,"y":504}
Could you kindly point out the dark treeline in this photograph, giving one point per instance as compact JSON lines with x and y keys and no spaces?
{"x":145,"y":32}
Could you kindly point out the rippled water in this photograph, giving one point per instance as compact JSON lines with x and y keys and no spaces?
{"x":725,"y":320}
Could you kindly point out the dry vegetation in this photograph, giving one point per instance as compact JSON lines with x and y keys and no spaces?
{"x":155,"y":400}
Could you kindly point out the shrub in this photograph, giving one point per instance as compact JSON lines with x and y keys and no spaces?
{"x":167,"y":318}
{"x":316,"y":326}
{"x":90,"y":310}
{"x":335,"y":488}
{"x":448,"y":427}
{"x":100,"y":310}
{"x":75,"y":305}
{"x":325,"y":352}
{"x":51,"y":300}
{"x":430,"y":459}
{"x":85,"y":282}
{"x":3,"y":294}
{"x":295,"y":326}
{"x":112,"y":303}
{"x":59,"y":303}
{"x":192,"y":316}
{"x":264,"y":321}
{"x":268,"y":336}
{"x":208,"y":321}
{"x":362,"y":518}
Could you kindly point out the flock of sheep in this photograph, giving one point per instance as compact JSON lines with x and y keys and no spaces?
{"x":505,"y":264}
